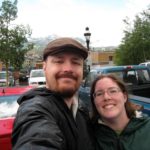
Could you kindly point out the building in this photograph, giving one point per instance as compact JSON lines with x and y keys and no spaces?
{"x":102,"y":56}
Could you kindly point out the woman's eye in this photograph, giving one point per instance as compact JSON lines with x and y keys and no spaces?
{"x":99,"y":93}
{"x":113,"y":91}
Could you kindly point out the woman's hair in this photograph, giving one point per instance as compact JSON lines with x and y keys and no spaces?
{"x":129,"y":106}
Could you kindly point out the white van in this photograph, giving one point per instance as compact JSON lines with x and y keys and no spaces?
{"x":37,"y":77}
{"x":145,"y":64}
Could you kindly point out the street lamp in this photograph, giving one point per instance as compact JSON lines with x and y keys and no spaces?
{"x":87,"y":35}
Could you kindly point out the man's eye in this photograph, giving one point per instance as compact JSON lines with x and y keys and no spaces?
{"x":77,"y":62}
{"x":58,"y":61}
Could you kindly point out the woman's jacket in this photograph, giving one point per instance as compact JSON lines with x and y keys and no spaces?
{"x":136,"y":136}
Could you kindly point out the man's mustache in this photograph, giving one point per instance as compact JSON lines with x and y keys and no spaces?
{"x":66,"y":75}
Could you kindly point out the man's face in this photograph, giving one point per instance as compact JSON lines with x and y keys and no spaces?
{"x":64,"y":73}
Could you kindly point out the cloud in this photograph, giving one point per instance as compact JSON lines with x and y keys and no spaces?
{"x":70,"y":17}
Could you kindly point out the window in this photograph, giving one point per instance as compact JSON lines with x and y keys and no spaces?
{"x":110,"y":58}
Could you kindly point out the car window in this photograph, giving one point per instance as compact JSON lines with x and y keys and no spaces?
{"x":148,"y":65}
{"x":143,"y":64}
{"x":146,"y":75}
{"x":119,"y":74}
{"x":2,"y":75}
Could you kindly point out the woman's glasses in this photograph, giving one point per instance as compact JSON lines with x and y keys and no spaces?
{"x":113,"y":91}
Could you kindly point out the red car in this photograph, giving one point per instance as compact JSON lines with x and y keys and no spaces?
{"x":8,"y":109}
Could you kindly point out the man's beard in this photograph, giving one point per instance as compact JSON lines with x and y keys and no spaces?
{"x":67,"y":93}
{"x":64,"y":91}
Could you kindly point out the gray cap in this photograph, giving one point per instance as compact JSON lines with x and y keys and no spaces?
{"x":65,"y":44}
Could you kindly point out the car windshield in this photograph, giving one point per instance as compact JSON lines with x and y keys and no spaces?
{"x":2,"y":75}
{"x":37,"y":73}
{"x":10,"y":104}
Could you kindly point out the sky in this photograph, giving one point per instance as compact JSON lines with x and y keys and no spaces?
{"x":69,"y":18}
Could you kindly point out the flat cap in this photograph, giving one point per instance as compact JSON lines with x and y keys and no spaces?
{"x":65,"y":45}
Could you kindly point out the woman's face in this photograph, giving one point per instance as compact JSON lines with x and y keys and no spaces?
{"x":109,"y":99}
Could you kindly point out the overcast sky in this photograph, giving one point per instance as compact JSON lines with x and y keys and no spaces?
{"x":70,"y":17}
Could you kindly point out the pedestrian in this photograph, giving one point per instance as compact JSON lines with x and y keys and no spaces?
{"x":52,"y":117}
{"x":116,"y":122}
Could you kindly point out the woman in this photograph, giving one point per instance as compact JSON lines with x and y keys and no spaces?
{"x":116,"y":125}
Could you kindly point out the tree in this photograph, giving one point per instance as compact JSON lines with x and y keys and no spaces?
{"x":20,"y":45}
{"x":135,"y":46}
{"x":13,"y":38}
{"x":8,"y":13}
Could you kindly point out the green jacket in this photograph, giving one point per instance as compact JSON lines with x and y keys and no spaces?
{"x":136,"y":136}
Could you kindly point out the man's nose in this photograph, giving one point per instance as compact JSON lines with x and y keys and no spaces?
{"x":68,"y":66}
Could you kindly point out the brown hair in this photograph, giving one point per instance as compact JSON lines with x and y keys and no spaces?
{"x":129,"y":106}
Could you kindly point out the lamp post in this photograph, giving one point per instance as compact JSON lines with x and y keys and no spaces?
{"x":87,"y":35}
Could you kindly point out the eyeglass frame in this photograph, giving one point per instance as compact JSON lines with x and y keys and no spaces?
{"x":108,"y":92}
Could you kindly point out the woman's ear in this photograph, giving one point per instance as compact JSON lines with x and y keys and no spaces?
{"x":125,"y":97}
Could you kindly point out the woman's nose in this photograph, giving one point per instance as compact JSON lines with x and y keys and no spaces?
{"x":106,"y":95}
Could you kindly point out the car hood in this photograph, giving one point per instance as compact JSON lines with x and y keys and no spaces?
{"x":35,"y":79}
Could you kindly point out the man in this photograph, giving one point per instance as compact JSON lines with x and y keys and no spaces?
{"x":50,"y":118}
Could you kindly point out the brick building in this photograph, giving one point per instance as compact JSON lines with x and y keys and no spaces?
{"x":102,"y":57}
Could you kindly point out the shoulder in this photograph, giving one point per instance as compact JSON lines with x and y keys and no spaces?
{"x":139,"y":124}
{"x":37,"y":105}
{"x":143,"y":119}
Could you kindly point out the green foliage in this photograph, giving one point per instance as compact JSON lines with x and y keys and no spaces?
{"x":20,"y":45}
{"x":8,"y":11}
{"x":135,"y":46}
{"x":13,"y":38}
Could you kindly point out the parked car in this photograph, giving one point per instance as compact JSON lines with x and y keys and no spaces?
{"x":3,"y":78}
{"x":8,"y":109}
{"x":37,"y":77}
{"x":23,"y":78}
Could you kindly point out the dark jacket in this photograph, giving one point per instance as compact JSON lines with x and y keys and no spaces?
{"x":136,"y":136}
{"x":44,"y":122}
